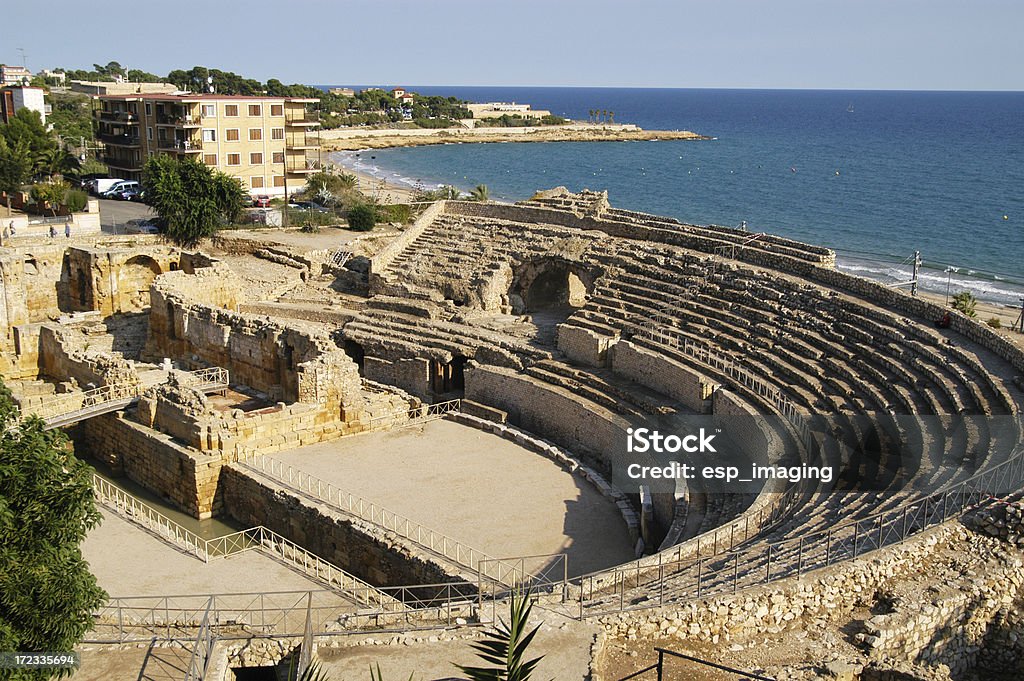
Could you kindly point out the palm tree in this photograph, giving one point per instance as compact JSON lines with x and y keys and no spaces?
{"x":590,"y":119}
{"x":480,"y":193}
{"x":611,"y":117}
{"x":56,"y":161}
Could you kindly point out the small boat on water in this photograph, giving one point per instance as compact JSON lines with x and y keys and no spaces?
{"x":849,"y":108}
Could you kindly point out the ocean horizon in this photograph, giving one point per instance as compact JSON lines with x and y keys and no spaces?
{"x":874,"y":174}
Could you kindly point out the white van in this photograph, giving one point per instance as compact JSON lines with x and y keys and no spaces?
{"x":103,"y":184}
{"x":121,"y":186}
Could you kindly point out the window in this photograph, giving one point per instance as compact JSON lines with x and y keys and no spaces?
{"x":234,"y":159}
{"x":210,"y":110}
{"x":278,"y":180}
{"x":255,"y":134}
{"x":278,"y":157}
{"x":149,"y":133}
{"x":277,"y":133}
{"x":277,"y":109}
{"x":149,"y":109}
{"x":231,"y":134}
{"x":255,"y":110}
{"x":230,"y":109}
{"x":256,"y":159}
{"x":210,"y":159}
{"x":209,"y":135}
{"x":256,"y":182}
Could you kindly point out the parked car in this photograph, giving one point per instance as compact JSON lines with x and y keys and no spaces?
{"x":309,"y":205}
{"x":104,"y":184}
{"x":262,"y":201}
{"x":247,"y":201}
{"x":129,"y":194}
{"x":142,"y":226}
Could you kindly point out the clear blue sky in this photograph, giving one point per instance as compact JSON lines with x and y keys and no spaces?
{"x":884,"y":44}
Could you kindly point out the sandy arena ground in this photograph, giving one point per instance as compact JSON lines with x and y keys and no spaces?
{"x":476,"y":488}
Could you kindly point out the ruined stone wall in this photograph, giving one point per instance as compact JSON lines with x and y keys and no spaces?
{"x":356,"y":547}
{"x":64,"y":355}
{"x":411,"y":374}
{"x":583,"y":345}
{"x":114,"y":280}
{"x":381,"y":261}
{"x":660,"y":373}
{"x":186,"y":478}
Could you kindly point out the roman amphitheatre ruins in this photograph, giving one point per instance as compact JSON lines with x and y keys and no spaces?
{"x":398,"y":430}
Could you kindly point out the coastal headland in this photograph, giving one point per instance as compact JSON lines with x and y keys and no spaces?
{"x":355,"y":139}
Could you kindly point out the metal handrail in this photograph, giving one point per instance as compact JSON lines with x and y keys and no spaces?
{"x":201,"y":652}
{"x":66,"y":404}
{"x":354,"y":505}
{"x":254,"y":538}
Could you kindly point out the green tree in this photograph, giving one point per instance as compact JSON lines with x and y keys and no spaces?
{"x":505,"y":646}
{"x":50,"y":194}
{"x":47,"y":594}
{"x":15,"y":164}
{"x":27,"y":127}
{"x":191,"y":199}
{"x":362,"y":218}
{"x":965,"y":302}
{"x":480,"y":193}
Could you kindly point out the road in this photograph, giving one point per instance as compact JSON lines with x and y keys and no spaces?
{"x":114,"y":214}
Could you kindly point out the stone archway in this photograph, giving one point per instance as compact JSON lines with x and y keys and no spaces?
{"x":135,"y":277}
{"x":551,"y":284}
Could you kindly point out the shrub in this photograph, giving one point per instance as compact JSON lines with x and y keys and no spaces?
{"x":362,"y":218}
{"x":76,"y":200}
{"x":396,"y":212}
{"x":994,"y":322}
{"x":965,"y":302}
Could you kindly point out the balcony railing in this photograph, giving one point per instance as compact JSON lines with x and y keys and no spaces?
{"x":119,"y":116}
{"x":121,"y":140}
{"x":301,"y":142}
{"x":180,"y":145}
{"x":303,"y":119}
{"x":181,"y":121}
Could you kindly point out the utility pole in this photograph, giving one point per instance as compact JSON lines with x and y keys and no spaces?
{"x":949,"y":276}
{"x":917,"y":269}
{"x":1021,"y":318}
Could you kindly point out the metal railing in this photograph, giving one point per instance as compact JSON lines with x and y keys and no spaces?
{"x":417,"y":415}
{"x":202,"y":651}
{"x":350,"y":504}
{"x":141,"y":513}
{"x":659,"y":667}
{"x":735,"y":568}
{"x":254,"y":538}
{"x":286,"y":613}
{"x":73,"y":406}
{"x":424,"y":606}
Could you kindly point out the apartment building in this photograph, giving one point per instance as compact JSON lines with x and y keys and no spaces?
{"x":269,"y":143}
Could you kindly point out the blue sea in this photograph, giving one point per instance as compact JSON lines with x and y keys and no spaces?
{"x":874,"y":175}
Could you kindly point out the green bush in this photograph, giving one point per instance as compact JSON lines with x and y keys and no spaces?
{"x":396,"y":212}
{"x":362,"y":218}
{"x":994,"y":322}
{"x":76,"y":200}
{"x":965,"y":302}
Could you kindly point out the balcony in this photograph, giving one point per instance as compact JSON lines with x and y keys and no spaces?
{"x":300,"y":167}
{"x":305,"y":119}
{"x":123,"y":117}
{"x":115,"y":163}
{"x":180,"y":146}
{"x":120,"y":140}
{"x":179,"y":121}
{"x":300,"y":141}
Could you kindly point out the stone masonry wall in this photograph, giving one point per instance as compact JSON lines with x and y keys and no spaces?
{"x":186,"y":478}
{"x":355,"y":547}
{"x":660,"y":373}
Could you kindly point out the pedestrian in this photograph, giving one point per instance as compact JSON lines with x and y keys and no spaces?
{"x":12,"y":229}
{"x":5,"y":237}
{"x":53,"y":232}
{"x":67,"y":230}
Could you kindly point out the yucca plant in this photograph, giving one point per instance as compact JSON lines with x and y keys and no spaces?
{"x":377,"y":675}
{"x":313,"y":672}
{"x":505,"y":646}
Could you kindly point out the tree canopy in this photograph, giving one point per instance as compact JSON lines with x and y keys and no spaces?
{"x":47,"y":594}
{"x":191,"y":199}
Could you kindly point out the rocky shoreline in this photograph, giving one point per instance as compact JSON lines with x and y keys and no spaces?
{"x":357,"y":139}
